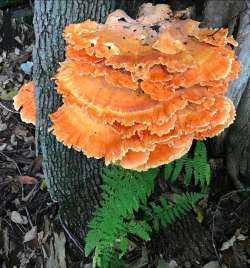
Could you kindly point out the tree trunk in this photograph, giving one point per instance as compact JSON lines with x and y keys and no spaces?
{"x":238,"y":142}
{"x":73,"y":180}
{"x":234,"y":142}
{"x":186,"y":241}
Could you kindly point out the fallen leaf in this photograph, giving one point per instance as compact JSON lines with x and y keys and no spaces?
{"x":36,"y":165}
{"x":18,"y":218}
{"x":3,"y":126}
{"x":3,"y":146}
{"x":172,"y":264}
{"x":31,"y":234}
{"x":18,"y":39}
{"x":241,"y":237}
{"x":13,"y":140}
{"x":27,"y":180}
{"x":20,"y":131}
{"x":17,"y":51}
{"x":228,"y":244}
{"x":29,"y":139}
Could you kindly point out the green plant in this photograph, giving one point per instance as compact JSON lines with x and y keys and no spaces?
{"x":195,"y":167}
{"x":166,"y":212}
{"x":123,"y":192}
{"x":126,"y":192}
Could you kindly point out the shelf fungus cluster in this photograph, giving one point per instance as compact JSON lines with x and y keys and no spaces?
{"x":137,"y":92}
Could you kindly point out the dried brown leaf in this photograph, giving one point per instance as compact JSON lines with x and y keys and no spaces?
{"x":27,"y":180}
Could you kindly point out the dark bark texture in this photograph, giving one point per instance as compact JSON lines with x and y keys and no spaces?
{"x":238,"y":142}
{"x":73,"y":180}
{"x":186,"y":242}
{"x":234,"y":141}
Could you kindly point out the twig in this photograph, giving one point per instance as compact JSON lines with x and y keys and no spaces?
{"x":224,"y":197}
{"x":8,"y":109}
{"x":28,"y":216}
{"x":13,"y":161}
{"x":30,"y":126}
{"x":31,"y":194}
{"x":5,"y":182}
{"x":10,"y":225}
{"x":70,"y":235}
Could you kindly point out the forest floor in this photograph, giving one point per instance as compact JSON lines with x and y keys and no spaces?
{"x":31,"y":234}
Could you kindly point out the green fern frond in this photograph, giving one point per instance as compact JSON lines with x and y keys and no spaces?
{"x":107,"y":258}
{"x":179,"y":164}
{"x":201,"y":167}
{"x":189,"y":165}
{"x":140,"y":228}
{"x":168,"y":170}
{"x":166,"y":212}
{"x":123,"y":192}
{"x":196,"y":167}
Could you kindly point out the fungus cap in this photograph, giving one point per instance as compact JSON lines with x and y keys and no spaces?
{"x":24,"y":102}
{"x":138,"y":91}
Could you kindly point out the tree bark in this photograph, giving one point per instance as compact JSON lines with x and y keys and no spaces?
{"x":72,"y":179}
{"x":238,"y":142}
{"x":234,"y":141}
{"x":186,"y":241}
{"x":237,"y":138}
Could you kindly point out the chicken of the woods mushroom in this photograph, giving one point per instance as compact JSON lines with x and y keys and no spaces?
{"x":137,"y":92}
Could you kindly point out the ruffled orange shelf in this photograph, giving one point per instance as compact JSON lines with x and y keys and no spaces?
{"x":24,"y":102}
{"x":137,"y":92}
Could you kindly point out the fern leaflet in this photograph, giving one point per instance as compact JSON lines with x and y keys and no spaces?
{"x":166,"y":212}
{"x":195,"y":167}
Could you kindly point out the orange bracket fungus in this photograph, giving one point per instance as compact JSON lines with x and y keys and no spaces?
{"x":137,"y":92}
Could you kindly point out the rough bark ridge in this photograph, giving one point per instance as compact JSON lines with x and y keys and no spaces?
{"x":238,"y":141}
{"x":66,"y":171}
{"x":186,"y":241}
{"x":234,"y":142}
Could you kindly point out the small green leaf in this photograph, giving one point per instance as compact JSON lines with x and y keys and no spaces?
{"x":178,"y":168}
{"x":123,"y":246}
{"x":188,"y":171}
{"x":168,"y":169}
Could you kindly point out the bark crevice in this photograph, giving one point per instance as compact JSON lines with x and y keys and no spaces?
{"x":72,"y":179}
